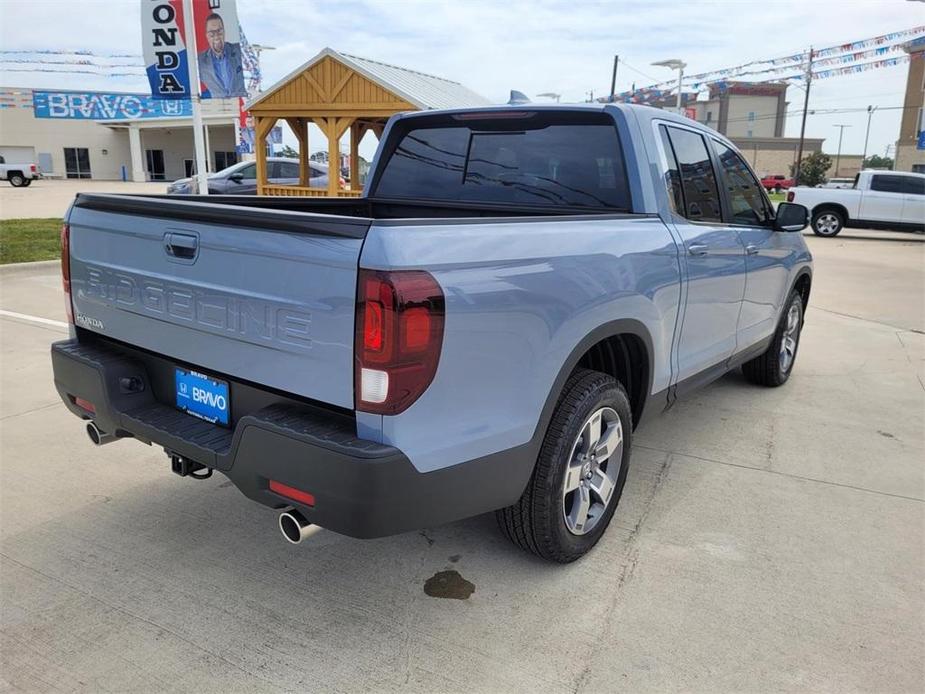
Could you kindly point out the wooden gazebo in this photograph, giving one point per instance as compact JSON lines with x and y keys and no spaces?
{"x":341,"y":93}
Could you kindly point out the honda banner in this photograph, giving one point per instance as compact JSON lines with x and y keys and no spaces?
{"x":218,"y":48}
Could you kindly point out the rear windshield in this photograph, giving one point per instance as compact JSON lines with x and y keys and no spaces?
{"x":542,"y":159}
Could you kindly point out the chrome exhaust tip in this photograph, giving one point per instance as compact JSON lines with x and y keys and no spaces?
{"x":295,"y":527}
{"x":98,"y":436}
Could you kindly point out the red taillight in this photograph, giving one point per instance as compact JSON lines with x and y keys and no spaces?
{"x":32,"y":168}
{"x":790,"y":195}
{"x":66,"y":271}
{"x":292,"y":493}
{"x":398,"y":338}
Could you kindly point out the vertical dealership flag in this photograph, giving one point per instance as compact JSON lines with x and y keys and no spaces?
{"x":164,"y":48}
{"x":218,"y":46}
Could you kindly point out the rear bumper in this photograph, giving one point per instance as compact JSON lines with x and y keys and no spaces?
{"x":361,"y":488}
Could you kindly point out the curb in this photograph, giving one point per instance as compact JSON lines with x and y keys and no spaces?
{"x":22,"y":268}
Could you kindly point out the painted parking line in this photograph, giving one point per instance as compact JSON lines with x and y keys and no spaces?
{"x":33,"y":319}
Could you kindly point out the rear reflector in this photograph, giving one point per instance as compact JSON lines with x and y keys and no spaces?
{"x":85,"y":405}
{"x":790,"y":196}
{"x":292,"y":493}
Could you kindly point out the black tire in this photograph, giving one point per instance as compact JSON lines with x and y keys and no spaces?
{"x":27,"y":183}
{"x":537,"y":521}
{"x":770,"y":369}
{"x":827,"y":222}
{"x":17,"y":180}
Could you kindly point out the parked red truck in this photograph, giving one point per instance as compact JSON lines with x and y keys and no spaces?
{"x":776,"y":183}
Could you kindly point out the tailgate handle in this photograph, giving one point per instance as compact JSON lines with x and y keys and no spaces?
{"x":181,"y":245}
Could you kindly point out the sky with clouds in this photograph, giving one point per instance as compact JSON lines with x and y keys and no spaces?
{"x":493,"y":46}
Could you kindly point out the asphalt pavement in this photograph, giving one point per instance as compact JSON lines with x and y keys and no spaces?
{"x":768,"y":539}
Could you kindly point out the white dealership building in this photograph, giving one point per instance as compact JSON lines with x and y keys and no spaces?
{"x":111,"y":136}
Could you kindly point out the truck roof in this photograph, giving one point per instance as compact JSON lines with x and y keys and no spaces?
{"x":642,"y":113}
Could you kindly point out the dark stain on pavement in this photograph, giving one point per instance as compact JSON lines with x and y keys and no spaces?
{"x":448,"y":584}
{"x":886,"y":434}
{"x":455,"y":558}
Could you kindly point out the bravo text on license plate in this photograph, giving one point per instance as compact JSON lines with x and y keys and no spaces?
{"x":203,"y":396}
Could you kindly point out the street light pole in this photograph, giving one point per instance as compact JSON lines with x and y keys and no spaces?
{"x":841,"y":130}
{"x":870,"y":112}
{"x":258,"y":49}
{"x":679,"y":65}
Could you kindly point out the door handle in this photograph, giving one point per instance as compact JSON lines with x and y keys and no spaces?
{"x":698,"y":249}
{"x":183,"y":246}
{"x":751,"y":249}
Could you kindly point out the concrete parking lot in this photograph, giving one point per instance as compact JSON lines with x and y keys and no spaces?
{"x":51,"y":197}
{"x":767,"y":540}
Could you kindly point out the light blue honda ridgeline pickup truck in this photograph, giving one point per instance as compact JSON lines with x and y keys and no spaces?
{"x":481,"y":331}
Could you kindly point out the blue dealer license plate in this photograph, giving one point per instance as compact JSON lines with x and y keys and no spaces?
{"x":203,"y":396}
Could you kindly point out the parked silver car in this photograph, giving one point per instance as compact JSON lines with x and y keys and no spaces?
{"x":241,"y":178}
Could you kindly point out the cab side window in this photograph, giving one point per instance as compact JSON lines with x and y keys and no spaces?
{"x":885,"y":183}
{"x":698,"y":180}
{"x":746,"y":199}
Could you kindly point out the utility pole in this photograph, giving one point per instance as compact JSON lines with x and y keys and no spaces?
{"x":841,"y":130}
{"x":809,"y":81}
{"x":870,"y":112}
{"x":202,"y":175}
{"x":613,"y":78}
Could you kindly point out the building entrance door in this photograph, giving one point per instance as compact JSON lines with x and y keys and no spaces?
{"x":154,"y":161}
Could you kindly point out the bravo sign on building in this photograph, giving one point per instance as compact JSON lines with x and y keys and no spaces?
{"x":166,"y":32}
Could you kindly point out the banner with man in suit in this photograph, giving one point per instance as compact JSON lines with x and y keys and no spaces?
{"x":221,"y":73}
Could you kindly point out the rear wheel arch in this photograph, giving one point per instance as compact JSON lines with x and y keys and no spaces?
{"x":833,"y":207}
{"x":620,"y":348}
{"x":803,"y":284}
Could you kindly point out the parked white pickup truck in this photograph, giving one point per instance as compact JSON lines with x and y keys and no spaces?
{"x":19,"y":175}
{"x":877,"y":200}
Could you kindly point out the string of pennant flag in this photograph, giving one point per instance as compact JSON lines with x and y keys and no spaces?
{"x":843,"y":58}
{"x":82,"y":62}
{"x":831,"y":55}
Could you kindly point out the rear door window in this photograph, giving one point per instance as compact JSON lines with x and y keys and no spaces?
{"x":541,"y":159}
{"x":698,"y":180}
{"x":288,"y":170}
{"x":914,"y":185}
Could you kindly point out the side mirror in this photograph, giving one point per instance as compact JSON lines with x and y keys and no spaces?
{"x":236,"y":177}
{"x":791,"y":217}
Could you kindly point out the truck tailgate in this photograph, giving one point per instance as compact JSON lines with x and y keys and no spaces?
{"x":266,"y":296}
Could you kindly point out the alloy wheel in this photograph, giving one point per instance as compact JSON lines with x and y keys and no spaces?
{"x":593,"y":469}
